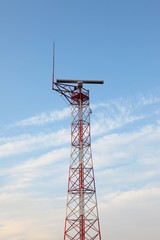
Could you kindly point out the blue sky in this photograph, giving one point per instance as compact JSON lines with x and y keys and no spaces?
{"x":117,"y":41}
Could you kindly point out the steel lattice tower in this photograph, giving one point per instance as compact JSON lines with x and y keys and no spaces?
{"x":82,"y":220}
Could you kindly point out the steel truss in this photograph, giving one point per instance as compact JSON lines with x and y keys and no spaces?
{"x":82,"y":220}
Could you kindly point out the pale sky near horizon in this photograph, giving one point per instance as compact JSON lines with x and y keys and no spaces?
{"x":113,"y":40}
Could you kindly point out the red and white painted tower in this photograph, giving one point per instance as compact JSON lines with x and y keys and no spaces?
{"x":82,"y":220}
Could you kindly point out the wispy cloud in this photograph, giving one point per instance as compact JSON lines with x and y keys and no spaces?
{"x":118,"y":113}
{"x":26,"y":143}
{"x":141,"y":141}
{"x":43,"y":118}
{"x":24,"y":174}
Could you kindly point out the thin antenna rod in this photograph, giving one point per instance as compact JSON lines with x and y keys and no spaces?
{"x":53,"y":65}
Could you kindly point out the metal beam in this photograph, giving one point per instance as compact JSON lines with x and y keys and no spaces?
{"x":80,"y":81}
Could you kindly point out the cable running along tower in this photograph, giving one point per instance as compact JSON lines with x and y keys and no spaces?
{"x":82,"y":220}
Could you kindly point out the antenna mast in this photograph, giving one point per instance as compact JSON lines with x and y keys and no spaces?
{"x":82,"y":219}
{"x":53,"y":65}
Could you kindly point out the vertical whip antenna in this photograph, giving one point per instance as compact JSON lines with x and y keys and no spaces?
{"x":53,"y":65}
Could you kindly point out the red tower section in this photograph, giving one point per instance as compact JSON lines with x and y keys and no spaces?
{"x":82,"y":220}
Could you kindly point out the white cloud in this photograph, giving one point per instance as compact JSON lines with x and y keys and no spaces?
{"x":119,"y":112}
{"x":131,"y":215}
{"x":43,"y":118}
{"x":119,"y":148}
{"x":29,"y":217}
{"x":29,"y":142}
{"x":25,"y":174}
